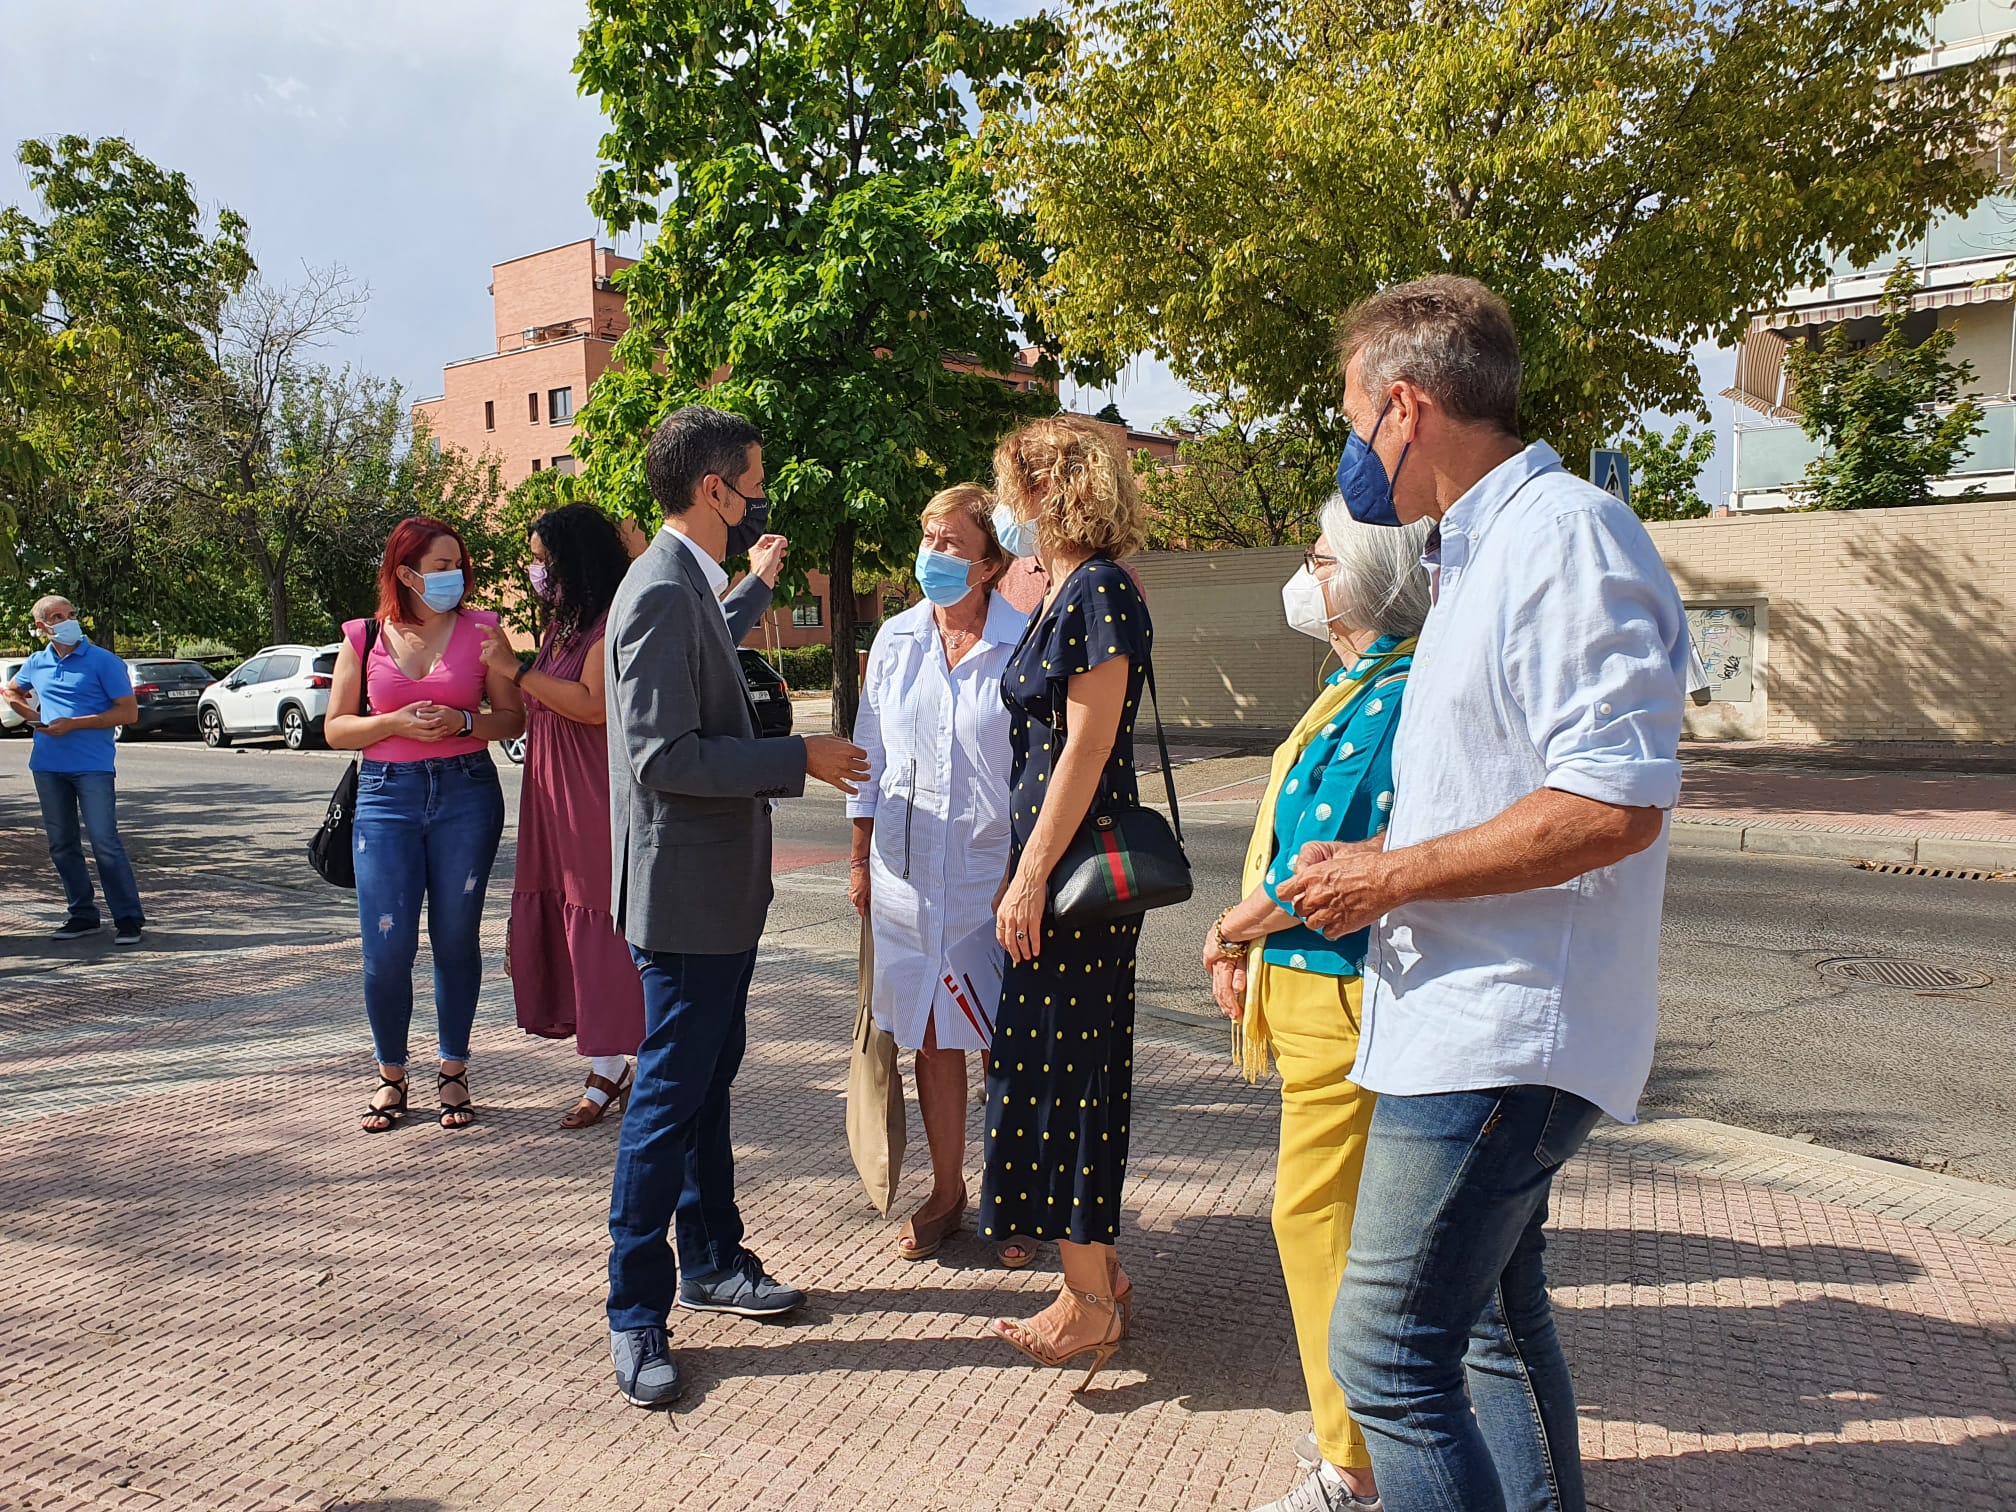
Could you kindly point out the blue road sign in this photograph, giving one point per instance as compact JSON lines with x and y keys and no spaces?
{"x":1610,"y":470}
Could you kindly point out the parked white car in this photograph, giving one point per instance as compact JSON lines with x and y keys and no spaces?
{"x":284,"y":691}
{"x":10,"y":722}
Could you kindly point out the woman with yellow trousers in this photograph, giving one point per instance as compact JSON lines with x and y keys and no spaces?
{"x":1295,"y":994}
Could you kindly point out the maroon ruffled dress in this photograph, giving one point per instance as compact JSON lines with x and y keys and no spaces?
{"x":571,"y":972}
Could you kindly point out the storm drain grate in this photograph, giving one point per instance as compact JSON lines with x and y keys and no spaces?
{"x":1953,"y":873}
{"x":1894,"y":971}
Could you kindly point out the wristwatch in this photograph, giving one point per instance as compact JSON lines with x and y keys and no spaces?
{"x":1231,"y":950}
{"x":468,"y":722}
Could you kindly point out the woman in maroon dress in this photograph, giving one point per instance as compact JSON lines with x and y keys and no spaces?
{"x":570,"y":970}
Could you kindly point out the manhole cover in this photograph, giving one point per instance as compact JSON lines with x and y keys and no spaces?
{"x":1894,"y":971}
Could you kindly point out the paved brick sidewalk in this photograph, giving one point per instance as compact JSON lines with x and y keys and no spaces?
{"x":220,"y":1297}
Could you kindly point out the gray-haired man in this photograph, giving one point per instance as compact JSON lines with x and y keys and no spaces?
{"x":689,"y":796}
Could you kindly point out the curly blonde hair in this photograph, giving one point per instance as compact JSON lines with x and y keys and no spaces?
{"x":1066,"y":473}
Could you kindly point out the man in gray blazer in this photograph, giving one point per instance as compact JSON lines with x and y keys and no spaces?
{"x":690,"y":785}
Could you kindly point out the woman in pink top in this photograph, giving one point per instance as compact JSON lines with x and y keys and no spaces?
{"x":429,"y":808}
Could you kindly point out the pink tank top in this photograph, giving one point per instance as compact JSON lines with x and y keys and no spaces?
{"x":456,"y":681}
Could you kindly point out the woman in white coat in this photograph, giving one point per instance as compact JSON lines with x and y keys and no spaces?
{"x":931,"y":837}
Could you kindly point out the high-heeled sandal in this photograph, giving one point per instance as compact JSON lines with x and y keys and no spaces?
{"x":1055,"y":1353}
{"x":1123,"y":1299}
{"x":464,"y":1113}
{"x":391,"y":1112}
{"x":587,"y":1111}
{"x":926,"y":1238}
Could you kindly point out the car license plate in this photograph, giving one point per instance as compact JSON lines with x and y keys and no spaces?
{"x":759,"y":695}
{"x":183,"y":693}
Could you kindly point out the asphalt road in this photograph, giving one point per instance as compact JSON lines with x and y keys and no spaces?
{"x":1751,"y":1033}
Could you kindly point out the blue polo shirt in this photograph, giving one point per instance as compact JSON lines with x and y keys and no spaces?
{"x":87,"y":681}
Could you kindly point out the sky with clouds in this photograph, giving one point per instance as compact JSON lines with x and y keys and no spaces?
{"x":413,"y":143}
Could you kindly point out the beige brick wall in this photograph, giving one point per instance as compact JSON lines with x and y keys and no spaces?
{"x":1891,"y":624}
{"x":1224,"y":657}
{"x":1885,"y":624}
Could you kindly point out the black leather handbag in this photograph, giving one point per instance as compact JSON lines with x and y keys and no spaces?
{"x":1124,"y":861}
{"x":331,"y":852}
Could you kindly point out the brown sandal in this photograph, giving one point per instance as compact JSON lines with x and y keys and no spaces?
{"x":1047,"y":1345}
{"x":927,"y":1238}
{"x":588,"y":1111}
{"x":1022,"y":1242}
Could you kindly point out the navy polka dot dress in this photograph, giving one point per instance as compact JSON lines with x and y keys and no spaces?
{"x":1061,"y":1073}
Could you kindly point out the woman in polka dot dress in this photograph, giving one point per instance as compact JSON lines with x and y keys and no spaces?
{"x":1059,"y":1082}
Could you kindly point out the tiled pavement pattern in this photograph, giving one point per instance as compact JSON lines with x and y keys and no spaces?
{"x":217,"y":1296}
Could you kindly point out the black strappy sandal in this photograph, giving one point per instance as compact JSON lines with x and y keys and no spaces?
{"x":465,"y":1112}
{"x":391,"y":1112}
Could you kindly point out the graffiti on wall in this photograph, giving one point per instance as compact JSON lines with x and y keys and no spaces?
{"x":1726,"y":637}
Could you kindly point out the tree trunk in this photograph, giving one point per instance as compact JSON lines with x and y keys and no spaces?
{"x":846,"y":668}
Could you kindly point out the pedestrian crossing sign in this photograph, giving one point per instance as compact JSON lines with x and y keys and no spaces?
{"x":1610,"y":470}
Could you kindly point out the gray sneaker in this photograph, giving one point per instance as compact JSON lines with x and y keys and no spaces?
{"x":1320,"y":1491}
{"x":645,"y":1371}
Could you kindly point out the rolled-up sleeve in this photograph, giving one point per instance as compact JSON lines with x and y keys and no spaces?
{"x":1595,"y":656}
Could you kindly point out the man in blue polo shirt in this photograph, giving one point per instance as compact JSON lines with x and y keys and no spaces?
{"x":83,"y":693}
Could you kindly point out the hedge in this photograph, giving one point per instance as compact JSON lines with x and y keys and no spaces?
{"x":806,"y":668}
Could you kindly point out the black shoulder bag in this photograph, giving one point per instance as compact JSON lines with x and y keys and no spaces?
{"x":1124,"y":861}
{"x":331,"y":852}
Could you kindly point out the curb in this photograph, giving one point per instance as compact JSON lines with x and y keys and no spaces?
{"x":1821,"y":1173}
{"x":1847,"y":844}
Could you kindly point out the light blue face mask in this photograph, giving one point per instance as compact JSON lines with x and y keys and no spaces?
{"x":442,"y":591}
{"x":66,"y":632}
{"x":1017,"y":537}
{"x":943,"y":577}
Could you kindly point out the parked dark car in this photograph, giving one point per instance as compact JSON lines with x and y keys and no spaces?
{"x":767,"y":691}
{"x":167,"y":692}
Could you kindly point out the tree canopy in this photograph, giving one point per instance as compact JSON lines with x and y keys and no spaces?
{"x":1222,"y":178}
{"x":1240,"y":479}
{"x":1666,"y":471}
{"x":828,"y":235}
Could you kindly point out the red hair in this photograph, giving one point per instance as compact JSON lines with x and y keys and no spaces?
{"x":406,"y":547}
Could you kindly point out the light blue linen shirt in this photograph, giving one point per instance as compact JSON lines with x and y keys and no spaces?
{"x":1555,"y":656}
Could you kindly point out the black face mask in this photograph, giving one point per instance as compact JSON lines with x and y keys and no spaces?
{"x":747,"y":531}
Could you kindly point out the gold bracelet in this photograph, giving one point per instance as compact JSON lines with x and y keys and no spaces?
{"x":1231,"y":950}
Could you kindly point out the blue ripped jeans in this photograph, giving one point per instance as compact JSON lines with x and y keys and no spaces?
{"x":425,"y":831}
{"x":1443,"y":1338}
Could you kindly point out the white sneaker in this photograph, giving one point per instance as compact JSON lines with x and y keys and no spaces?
{"x":1323,"y":1490}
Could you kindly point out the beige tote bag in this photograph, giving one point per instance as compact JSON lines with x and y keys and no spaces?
{"x":875,"y":1130}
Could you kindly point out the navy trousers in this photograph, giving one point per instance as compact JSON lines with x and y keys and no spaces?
{"x":675,"y":1162}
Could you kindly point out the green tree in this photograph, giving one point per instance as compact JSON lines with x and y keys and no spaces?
{"x":1890,"y":414}
{"x":270,"y":443}
{"x":827,"y":235}
{"x":1240,"y":479}
{"x":1666,"y":471}
{"x":1222,"y":178}
{"x":109,"y":295}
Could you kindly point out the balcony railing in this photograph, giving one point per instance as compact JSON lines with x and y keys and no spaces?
{"x":1773,"y":458}
{"x":1988,"y":231}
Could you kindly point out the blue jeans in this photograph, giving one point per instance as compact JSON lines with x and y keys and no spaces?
{"x":64,"y":796}
{"x":1443,"y":1339}
{"x":425,"y":831}
{"x":674,"y":1157}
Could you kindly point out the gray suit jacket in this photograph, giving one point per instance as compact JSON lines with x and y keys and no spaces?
{"x":690,"y":778}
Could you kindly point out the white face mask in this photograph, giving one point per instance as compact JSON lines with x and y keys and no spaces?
{"x":1306,"y":605}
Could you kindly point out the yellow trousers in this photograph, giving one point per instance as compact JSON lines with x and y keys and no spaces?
{"x":1311,"y":1023}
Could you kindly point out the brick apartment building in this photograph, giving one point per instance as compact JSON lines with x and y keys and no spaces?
{"x":557,"y":317}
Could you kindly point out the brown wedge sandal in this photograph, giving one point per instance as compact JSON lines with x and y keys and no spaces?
{"x":588,"y":1111}
{"x":1041,"y":1341}
{"x":924,"y":1239}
